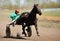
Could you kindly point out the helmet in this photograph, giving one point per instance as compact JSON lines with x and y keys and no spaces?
{"x":16,"y":10}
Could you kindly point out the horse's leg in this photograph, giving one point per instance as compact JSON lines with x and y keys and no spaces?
{"x":23,"y":29}
{"x":29,"y":31}
{"x":36,"y":27}
{"x":37,"y":30}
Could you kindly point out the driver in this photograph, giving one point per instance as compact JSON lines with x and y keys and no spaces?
{"x":14,"y":16}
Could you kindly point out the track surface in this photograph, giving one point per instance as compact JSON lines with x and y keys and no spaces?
{"x":46,"y":34}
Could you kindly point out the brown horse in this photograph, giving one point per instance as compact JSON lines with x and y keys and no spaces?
{"x":27,"y":19}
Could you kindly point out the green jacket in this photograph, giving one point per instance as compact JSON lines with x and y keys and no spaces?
{"x":14,"y":16}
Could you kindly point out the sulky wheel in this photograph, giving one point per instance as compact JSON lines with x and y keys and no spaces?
{"x":8,"y":32}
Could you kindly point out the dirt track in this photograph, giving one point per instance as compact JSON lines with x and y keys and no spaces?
{"x":46,"y":34}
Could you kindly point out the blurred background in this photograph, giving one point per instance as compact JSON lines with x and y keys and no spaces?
{"x":12,"y":4}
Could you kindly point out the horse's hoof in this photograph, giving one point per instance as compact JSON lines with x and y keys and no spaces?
{"x":29,"y":34}
{"x":25,"y":35}
{"x":23,"y":32}
{"x":38,"y":35}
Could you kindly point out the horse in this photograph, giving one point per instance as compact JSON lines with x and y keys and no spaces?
{"x":27,"y":19}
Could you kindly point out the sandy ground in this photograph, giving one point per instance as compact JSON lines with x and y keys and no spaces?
{"x":46,"y":34}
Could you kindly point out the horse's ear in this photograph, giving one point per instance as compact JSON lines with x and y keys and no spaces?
{"x":35,"y":4}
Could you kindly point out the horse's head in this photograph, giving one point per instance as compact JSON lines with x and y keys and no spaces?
{"x":37,"y":9}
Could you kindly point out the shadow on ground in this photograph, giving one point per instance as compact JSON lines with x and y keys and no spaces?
{"x":13,"y":37}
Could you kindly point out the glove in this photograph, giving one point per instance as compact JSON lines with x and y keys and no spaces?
{"x":12,"y":22}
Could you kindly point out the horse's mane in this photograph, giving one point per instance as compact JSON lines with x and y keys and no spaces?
{"x":33,"y":9}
